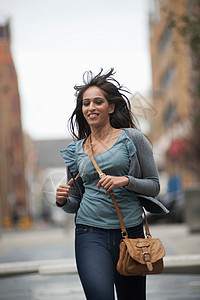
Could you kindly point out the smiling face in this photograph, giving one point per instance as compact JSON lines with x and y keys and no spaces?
{"x":96,"y":108}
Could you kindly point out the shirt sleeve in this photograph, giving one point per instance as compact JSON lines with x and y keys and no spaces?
{"x":70,"y":158}
{"x":130,"y":147}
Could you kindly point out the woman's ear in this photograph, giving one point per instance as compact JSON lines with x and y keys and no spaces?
{"x":111,"y":108}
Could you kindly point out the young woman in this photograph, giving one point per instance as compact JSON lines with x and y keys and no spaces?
{"x":125,"y":156}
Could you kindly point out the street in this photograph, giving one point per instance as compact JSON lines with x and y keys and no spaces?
{"x":56,"y":243}
{"x":68,"y":287}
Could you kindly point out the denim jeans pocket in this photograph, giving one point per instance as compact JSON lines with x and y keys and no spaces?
{"x":82,"y":229}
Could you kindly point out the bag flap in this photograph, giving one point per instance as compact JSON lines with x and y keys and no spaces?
{"x":136,"y":247}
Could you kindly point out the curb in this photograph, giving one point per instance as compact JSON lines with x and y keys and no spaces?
{"x":19,"y":268}
{"x":177,"y":264}
{"x":182,"y":264}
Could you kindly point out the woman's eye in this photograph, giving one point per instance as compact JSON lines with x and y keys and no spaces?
{"x":96,"y":102}
{"x":99,"y":102}
{"x":86,"y":103}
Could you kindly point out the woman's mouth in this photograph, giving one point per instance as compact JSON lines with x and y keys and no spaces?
{"x":93,"y":115}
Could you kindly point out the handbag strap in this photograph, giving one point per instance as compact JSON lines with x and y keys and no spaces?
{"x":101,"y":174}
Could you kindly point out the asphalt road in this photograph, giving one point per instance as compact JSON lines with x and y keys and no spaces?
{"x":68,"y":287}
{"x":51,"y":243}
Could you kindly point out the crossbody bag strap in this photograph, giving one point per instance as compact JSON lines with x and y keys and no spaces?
{"x":101,"y":174}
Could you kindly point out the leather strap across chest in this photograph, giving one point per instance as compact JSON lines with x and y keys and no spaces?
{"x":101,"y":174}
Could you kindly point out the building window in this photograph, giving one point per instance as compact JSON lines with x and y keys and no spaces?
{"x":5,"y":31}
{"x":165,"y":39}
{"x":16,"y":136}
{"x":11,"y":71}
{"x":170,"y":114}
{"x":168,"y":77}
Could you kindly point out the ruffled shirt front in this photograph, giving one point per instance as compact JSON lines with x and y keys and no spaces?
{"x":96,"y":208}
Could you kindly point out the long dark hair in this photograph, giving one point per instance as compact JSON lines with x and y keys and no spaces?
{"x":122,"y":117}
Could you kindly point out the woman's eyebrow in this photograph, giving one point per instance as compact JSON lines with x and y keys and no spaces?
{"x":96,"y":98}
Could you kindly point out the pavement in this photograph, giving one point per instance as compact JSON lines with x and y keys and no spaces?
{"x":50,"y":250}
{"x":43,"y":258}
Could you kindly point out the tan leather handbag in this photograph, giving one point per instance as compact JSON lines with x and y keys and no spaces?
{"x":138,"y":257}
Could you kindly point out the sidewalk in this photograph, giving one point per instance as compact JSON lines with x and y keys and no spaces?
{"x":182,"y":248}
{"x":51,"y":251}
{"x":38,"y":238}
{"x":175,"y":237}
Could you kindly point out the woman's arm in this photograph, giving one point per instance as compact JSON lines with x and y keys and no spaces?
{"x":63,"y":192}
{"x":147,"y":183}
{"x":69,"y":196}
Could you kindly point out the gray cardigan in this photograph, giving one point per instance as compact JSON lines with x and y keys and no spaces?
{"x":143,"y":178}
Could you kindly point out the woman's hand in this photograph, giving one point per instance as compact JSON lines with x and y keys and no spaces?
{"x":110,"y":182}
{"x":63,"y":192}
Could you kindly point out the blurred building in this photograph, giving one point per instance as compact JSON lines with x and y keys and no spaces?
{"x":171,"y":79}
{"x":48,"y":152}
{"x":51,"y":173}
{"x":44,"y":171}
{"x":32,"y":175}
{"x":13,"y":190}
{"x":25,"y":165}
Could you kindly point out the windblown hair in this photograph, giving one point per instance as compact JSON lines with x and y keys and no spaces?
{"x":122,"y":117}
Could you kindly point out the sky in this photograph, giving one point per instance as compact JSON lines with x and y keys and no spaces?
{"x":55,"y":41}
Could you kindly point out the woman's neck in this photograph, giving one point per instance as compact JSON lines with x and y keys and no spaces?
{"x":100,"y":133}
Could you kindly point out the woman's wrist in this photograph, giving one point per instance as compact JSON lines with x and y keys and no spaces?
{"x":61,"y":204}
{"x":126,"y":182}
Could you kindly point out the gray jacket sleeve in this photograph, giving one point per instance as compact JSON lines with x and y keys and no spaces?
{"x":76,"y":193}
{"x":143,"y":174}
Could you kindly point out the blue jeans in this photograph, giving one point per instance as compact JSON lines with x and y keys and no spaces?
{"x":97,"y":253}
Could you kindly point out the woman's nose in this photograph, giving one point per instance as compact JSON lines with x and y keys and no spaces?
{"x":91,"y":106}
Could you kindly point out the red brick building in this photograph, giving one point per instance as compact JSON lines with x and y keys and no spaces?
{"x":13,"y":203}
{"x":172,"y":97}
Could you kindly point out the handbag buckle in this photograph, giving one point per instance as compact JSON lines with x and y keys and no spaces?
{"x":145,"y":253}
